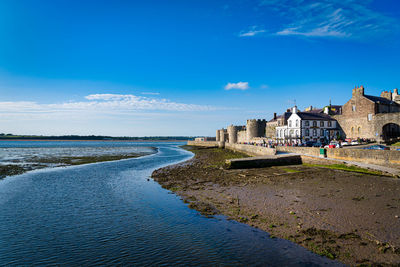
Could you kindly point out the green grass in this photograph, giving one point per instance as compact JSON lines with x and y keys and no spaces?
{"x":345,"y":167}
{"x":396,"y":144}
{"x":290,"y":170}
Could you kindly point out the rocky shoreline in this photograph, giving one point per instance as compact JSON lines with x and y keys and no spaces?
{"x":348,"y":216}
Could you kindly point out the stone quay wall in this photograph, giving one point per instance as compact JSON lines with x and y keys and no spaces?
{"x":251,"y":149}
{"x":378,"y":157}
{"x":203,"y":143}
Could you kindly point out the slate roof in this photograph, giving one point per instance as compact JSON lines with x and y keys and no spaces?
{"x":380,"y":100}
{"x":314,"y":116}
{"x":286,"y":114}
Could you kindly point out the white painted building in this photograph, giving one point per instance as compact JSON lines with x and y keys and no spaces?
{"x":307,"y":126}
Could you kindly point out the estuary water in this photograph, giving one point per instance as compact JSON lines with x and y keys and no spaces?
{"x":113,"y":213}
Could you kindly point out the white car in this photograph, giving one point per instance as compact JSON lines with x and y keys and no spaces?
{"x":345,"y":143}
{"x":354,"y":143}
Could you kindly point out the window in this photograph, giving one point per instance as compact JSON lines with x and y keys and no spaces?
{"x":352,"y":129}
{"x":321,"y":123}
{"x":297,"y":123}
{"x":314,"y":123}
{"x":353,"y":108}
{"x":307,"y":132}
{"x":290,"y":123}
{"x":307,"y":123}
{"x":329,"y":124}
{"x":314,"y":132}
{"x":297,"y":133}
{"x":359,"y":129}
{"x":370,"y":117}
{"x":321,"y":132}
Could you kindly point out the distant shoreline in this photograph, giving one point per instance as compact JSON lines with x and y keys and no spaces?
{"x":94,"y":140}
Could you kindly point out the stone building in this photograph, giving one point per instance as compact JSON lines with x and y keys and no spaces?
{"x":307,"y":126}
{"x":281,"y":120}
{"x":371,"y":117}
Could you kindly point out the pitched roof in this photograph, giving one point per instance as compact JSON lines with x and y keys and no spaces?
{"x":286,"y":114}
{"x":314,"y":116}
{"x":381,"y":100}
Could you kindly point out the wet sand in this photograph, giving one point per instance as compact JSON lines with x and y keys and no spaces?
{"x":50,"y":162}
{"x":348,"y":216}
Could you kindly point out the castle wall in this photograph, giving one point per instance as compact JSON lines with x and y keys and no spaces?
{"x":270,"y":130}
{"x":242,"y":136}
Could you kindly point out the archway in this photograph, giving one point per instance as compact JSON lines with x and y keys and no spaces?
{"x":390,"y":131}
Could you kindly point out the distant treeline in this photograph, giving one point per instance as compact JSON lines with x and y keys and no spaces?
{"x":94,"y":137}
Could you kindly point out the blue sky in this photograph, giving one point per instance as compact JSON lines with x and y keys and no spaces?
{"x":136,"y":68}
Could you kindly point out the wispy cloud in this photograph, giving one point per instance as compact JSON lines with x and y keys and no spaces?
{"x":330,"y":18}
{"x":254,"y":30}
{"x":104,"y":103}
{"x":150,"y":93}
{"x":238,"y":86}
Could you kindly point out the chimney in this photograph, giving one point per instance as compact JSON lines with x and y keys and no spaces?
{"x":358,"y":90}
{"x":387,"y":95}
{"x":274,"y":115}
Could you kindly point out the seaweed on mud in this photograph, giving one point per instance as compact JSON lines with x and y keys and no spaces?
{"x":8,"y":170}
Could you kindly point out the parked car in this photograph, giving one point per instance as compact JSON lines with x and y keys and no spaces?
{"x":317,"y":144}
{"x":345,"y":143}
{"x":354,"y":143}
{"x":309,"y":143}
{"x":377,"y":147}
{"x":333,"y":144}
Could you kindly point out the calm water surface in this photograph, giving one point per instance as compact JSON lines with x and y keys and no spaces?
{"x":111,"y":213}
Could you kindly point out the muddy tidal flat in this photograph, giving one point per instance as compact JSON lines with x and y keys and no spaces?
{"x":17,"y":160}
{"x":349,"y":216}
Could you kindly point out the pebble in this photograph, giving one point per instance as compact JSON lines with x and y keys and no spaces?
{"x":397,"y":216}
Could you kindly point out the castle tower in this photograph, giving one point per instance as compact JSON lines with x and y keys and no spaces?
{"x":217,"y":136}
{"x":222,"y":135}
{"x":233,"y":134}
{"x":251,"y":129}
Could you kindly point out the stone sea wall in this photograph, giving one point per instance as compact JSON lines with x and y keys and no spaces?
{"x":378,"y":157}
{"x":251,"y":149}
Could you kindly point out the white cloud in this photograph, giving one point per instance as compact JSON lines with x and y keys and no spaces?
{"x":330,"y":18}
{"x":150,"y":93}
{"x":251,"y":32}
{"x":104,"y":103}
{"x":239,"y":86}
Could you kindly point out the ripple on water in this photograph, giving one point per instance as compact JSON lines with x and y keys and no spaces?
{"x":109,"y":214}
